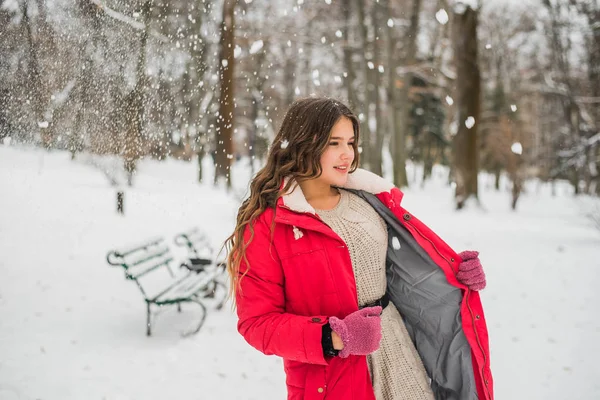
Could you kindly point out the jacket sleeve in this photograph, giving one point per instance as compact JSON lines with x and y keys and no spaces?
{"x":260,"y":301}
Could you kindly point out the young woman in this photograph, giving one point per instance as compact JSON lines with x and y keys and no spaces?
{"x":329,"y":272}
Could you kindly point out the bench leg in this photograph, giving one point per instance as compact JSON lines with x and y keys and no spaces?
{"x":193,"y":332}
{"x":179,"y":307}
{"x":148,"y":320}
{"x":210,"y":294}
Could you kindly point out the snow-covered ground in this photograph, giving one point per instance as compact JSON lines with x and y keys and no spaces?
{"x":72,"y":328}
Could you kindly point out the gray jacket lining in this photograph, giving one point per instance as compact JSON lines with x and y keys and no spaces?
{"x":430,"y":307}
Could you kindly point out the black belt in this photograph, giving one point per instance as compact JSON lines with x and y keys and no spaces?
{"x":382,"y":302}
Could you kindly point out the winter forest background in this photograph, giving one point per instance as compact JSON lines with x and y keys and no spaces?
{"x":174,"y":105}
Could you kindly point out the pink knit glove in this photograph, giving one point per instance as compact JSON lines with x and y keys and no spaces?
{"x":360,"y":331}
{"x":470,"y":272}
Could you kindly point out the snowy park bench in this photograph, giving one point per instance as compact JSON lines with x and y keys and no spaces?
{"x":200,"y":252}
{"x":201,"y":258}
{"x":148,"y":265}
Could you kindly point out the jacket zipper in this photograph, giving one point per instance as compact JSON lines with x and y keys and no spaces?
{"x":468,"y":306}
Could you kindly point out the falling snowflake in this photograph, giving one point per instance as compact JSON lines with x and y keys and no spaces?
{"x":470,"y":122}
{"x":256,"y":46}
{"x":396,"y":243}
{"x":517,"y":148}
{"x":284,"y":144}
{"x":442,"y":16}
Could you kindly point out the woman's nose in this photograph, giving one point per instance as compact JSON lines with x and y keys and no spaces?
{"x":348,"y":153}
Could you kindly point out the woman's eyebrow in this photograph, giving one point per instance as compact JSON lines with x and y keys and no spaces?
{"x":340,"y":138}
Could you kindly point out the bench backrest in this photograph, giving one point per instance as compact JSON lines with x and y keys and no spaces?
{"x":140,"y":263}
{"x":196,"y":242}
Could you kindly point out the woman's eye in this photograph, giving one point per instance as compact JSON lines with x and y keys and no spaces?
{"x":333,"y":143}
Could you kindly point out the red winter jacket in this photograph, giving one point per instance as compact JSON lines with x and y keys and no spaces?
{"x":300,"y":274}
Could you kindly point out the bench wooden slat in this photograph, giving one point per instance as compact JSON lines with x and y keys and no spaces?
{"x":148,"y":255}
{"x":132,"y":248}
{"x":149,"y":267}
{"x":185,"y":287}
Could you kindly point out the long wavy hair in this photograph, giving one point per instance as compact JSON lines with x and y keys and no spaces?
{"x":295,"y":153}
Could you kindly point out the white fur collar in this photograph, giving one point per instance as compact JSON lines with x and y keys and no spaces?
{"x":360,"y":179}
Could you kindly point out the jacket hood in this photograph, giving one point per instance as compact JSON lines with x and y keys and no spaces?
{"x":360,"y":179}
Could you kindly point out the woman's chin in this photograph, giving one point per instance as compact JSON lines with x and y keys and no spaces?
{"x":341,"y":181}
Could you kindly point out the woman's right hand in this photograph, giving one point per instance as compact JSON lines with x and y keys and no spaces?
{"x":359,"y":332}
{"x":336,"y":340}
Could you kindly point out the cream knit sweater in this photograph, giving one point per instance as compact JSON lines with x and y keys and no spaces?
{"x":396,"y":369}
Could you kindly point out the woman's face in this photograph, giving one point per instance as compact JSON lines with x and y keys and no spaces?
{"x":339,"y":154}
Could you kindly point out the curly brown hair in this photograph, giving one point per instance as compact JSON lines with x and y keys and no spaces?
{"x":295,"y":153}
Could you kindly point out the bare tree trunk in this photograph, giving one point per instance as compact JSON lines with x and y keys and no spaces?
{"x":348,"y":53}
{"x":376,"y":156}
{"x":364,"y":126}
{"x":257,"y":93}
{"x":468,"y":92}
{"x":308,"y":58}
{"x":289,"y":73}
{"x":34,"y":79}
{"x":93,"y":14}
{"x":252,"y":135}
{"x":197,"y":90}
{"x":402,"y":103}
{"x":593,"y":16}
{"x":135,"y":103}
{"x":226,"y":100}
{"x":77,"y":135}
{"x":427,"y":162}
{"x":497,"y":175}
{"x":594,"y":61}
{"x":572,"y":113}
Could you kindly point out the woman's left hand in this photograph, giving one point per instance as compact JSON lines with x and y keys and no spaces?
{"x":470,"y":272}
